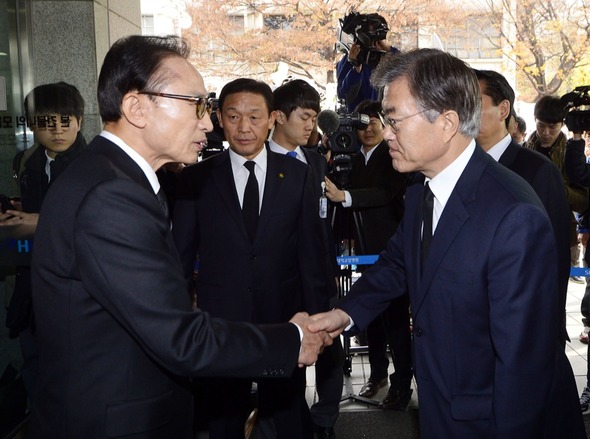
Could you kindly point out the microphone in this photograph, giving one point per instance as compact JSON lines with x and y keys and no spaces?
{"x":328,"y":121}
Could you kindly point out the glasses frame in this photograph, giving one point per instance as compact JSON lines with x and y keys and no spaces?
{"x":203,"y":104}
{"x":392,"y":123}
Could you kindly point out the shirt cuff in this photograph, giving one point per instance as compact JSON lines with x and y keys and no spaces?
{"x":347,"y":199}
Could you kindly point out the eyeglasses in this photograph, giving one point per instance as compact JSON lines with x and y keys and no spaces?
{"x":392,"y":123}
{"x":203,"y":104}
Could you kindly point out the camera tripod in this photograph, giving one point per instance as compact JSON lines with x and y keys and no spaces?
{"x":343,"y":224}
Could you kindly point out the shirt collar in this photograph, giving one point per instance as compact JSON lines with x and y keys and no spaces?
{"x":499,"y":148}
{"x":134,"y":155}
{"x":445,"y":181}
{"x":237,"y":161}
{"x":275,"y":147}
{"x":368,"y":154}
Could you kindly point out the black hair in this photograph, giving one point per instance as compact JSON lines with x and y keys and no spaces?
{"x":549,"y":109}
{"x":521,"y":124}
{"x":296,"y":94}
{"x":56,"y":98}
{"x":496,"y":87}
{"x":133,"y":64}
{"x":247,"y":85}
{"x":369,"y":107}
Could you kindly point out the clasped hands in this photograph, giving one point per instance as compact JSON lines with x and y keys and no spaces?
{"x":319,"y":331}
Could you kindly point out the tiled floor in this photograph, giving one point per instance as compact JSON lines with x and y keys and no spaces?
{"x":576,"y":352}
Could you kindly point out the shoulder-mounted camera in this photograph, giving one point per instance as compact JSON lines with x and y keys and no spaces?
{"x":577,"y":104}
{"x":365,"y":30}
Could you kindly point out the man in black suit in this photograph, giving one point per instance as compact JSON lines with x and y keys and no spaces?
{"x":116,"y":332}
{"x":297,"y":105}
{"x":279,"y":262}
{"x":376,"y":195}
{"x":536,"y":169}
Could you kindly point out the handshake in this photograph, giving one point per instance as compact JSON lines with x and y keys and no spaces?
{"x":319,"y":330}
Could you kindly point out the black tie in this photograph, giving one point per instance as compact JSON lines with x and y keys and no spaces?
{"x":163,"y":203}
{"x":427,"y":207}
{"x":251,"y":203}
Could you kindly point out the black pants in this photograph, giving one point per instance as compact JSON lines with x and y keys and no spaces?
{"x":392,"y":328}
{"x":329,"y":378}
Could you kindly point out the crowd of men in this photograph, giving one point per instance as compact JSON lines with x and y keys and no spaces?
{"x":157,"y":308}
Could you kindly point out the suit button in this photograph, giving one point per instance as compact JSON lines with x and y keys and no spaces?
{"x":418,"y":332}
{"x":252,"y":257}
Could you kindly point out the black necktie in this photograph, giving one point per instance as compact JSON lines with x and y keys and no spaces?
{"x":251,"y":203}
{"x":427,"y":207}
{"x":163,"y":202}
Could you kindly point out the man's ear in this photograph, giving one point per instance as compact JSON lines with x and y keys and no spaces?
{"x":280,"y":117}
{"x":273,"y":118}
{"x":133,"y":109}
{"x":450,"y":124}
{"x":218,"y":111}
{"x":504,"y":108}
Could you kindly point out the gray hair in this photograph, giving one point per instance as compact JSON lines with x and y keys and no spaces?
{"x":438,"y":81}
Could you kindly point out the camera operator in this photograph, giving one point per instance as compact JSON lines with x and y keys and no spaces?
{"x":376,"y":196}
{"x":353,"y":71}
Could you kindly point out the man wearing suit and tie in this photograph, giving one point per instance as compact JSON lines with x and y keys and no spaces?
{"x":541,"y":173}
{"x":297,"y":105}
{"x":485,"y":273}
{"x":276,"y":255}
{"x":117,"y":334}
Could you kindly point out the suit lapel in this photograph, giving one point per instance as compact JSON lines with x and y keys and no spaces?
{"x":452,"y":220}
{"x":121,"y":161}
{"x":316,"y":171}
{"x":274,"y":180}
{"x":507,"y":159}
{"x":223,"y":179}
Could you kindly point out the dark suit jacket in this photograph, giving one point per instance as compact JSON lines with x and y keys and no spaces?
{"x":266,"y":281}
{"x":116,"y":331}
{"x":377,"y":192}
{"x":318,"y":167}
{"x":482,"y":289}
{"x":545,"y":178}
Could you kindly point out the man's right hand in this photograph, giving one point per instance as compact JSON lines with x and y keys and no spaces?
{"x":353,"y":54}
{"x":334,"y":322}
{"x":313,"y":343}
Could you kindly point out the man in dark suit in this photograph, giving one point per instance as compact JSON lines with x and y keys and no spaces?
{"x":116,"y":332}
{"x":296,"y":106}
{"x":376,"y":196}
{"x":545,"y":178}
{"x":476,"y":253}
{"x":280,"y":262}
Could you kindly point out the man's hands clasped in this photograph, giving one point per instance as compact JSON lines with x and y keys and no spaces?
{"x":319,"y":331}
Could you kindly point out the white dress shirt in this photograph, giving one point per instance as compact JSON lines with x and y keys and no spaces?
{"x":241,"y":173}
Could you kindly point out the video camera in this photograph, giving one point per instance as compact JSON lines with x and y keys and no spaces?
{"x":365,"y":30}
{"x":340,"y":127}
{"x":577,"y":104}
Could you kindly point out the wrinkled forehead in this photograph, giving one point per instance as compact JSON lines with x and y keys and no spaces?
{"x":177,"y":74}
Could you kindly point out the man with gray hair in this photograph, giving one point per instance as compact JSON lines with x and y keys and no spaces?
{"x":463,"y":253}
